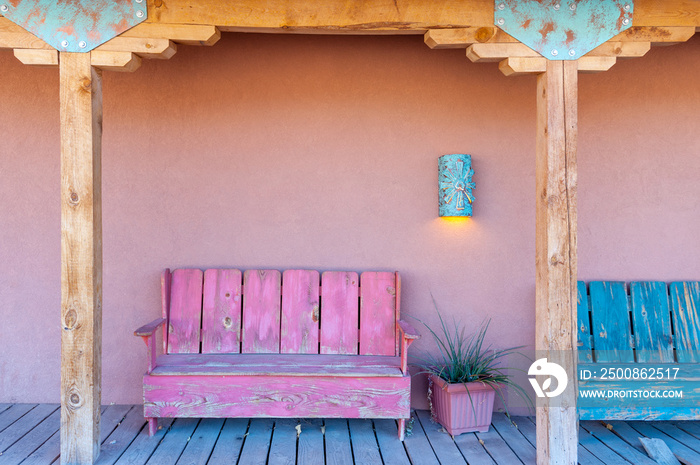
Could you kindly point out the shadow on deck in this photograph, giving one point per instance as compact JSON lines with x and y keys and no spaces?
{"x":29,"y":435}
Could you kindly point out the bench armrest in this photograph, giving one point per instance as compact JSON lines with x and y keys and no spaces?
{"x":408,"y":331}
{"x":147,"y":330}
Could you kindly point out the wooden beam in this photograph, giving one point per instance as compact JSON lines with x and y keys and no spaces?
{"x":518,"y":66}
{"x":23,"y":40}
{"x":657,"y":35}
{"x":497,"y":52}
{"x":115,"y":61}
{"x":464,"y":37}
{"x":81,"y":258}
{"x":556,"y":261}
{"x":588,"y":64}
{"x":181,"y":33}
{"x":37,"y":57}
{"x":620,"y":49}
{"x":143,"y":47}
{"x":374,"y":16}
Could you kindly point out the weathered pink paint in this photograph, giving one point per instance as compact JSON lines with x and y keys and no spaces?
{"x":165,"y":284}
{"x":184,"y":319}
{"x":301,"y":312}
{"x":277,"y":396}
{"x":297,"y":381}
{"x":261,"y":311}
{"x":221,"y":312}
{"x":339,"y":307}
{"x":378,"y":313}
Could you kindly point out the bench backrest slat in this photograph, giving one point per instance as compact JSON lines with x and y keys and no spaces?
{"x":185,"y":311}
{"x":377,"y":313}
{"x":340,"y":293}
{"x":584,"y":325}
{"x":685,"y":300}
{"x":612,"y":336}
{"x":651,"y":321}
{"x":221,"y":318}
{"x":261,"y":311}
{"x":300,"y":312}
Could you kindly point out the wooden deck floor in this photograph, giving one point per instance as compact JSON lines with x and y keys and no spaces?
{"x":29,"y":435}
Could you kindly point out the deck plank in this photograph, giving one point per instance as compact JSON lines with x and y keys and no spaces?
{"x":598,"y":449}
{"x":338,"y":449}
{"x":125,"y":433}
{"x":258,"y":439}
{"x":497,"y":447}
{"x":364,"y":444}
{"x":138,"y":450}
{"x":445,"y":448}
{"x":514,"y":438}
{"x":201,"y":444}
{"x":13,"y":414}
{"x":283,"y":450}
{"x":677,"y":434}
{"x":526,"y":425}
{"x":4,"y":407}
{"x":691,"y":427}
{"x":418,"y":447}
{"x":627,"y":433}
{"x":31,"y":441}
{"x":228,"y":448}
{"x":473,"y":450}
{"x":393,"y":450}
{"x":311,"y":442}
{"x":174,"y":442}
{"x":610,"y":439}
{"x":23,"y":425}
{"x":681,"y":450}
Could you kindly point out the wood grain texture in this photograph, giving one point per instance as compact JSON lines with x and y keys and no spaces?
{"x":126,"y":62}
{"x":338,"y":448}
{"x":185,"y":317}
{"x":374,"y":16}
{"x":364,"y":443}
{"x":36,"y":57}
{"x":585,"y":340}
{"x":283,"y":449}
{"x":261,"y":311}
{"x":340,"y":310}
{"x":612,"y":335}
{"x":276,"y":396}
{"x":310,"y":449}
{"x":685,"y":300}
{"x":301,"y":312}
{"x":651,"y":322}
{"x":81,"y":257}
{"x":556,"y":249}
{"x":165,"y":285}
{"x":221,"y":312}
{"x":659,"y":451}
{"x":393,"y":451}
{"x":377,"y":313}
{"x":228,"y":446}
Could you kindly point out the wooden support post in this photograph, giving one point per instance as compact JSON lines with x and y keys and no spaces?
{"x":81,"y":258}
{"x":557,"y":94}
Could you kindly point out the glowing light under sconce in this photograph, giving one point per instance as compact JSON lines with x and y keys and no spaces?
{"x":455,"y":185}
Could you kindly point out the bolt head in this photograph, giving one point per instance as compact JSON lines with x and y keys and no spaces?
{"x":139,"y":1}
{"x":557,"y":6}
{"x":626,"y":21}
{"x":501,"y":6}
{"x":572,"y":7}
{"x":139,"y":14}
{"x":627,"y":7}
{"x":501,"y":21}
{"x":3,"y":8}
{"x":82,"y":44}
{"x":64,"y":43}
{"x":572,"y":52}
{"x":555,"y":52}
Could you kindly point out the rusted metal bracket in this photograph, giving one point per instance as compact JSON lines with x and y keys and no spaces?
{"x":563,"y":29}
{"x":75,"y":26}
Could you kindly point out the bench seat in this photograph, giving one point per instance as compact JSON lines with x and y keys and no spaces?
{"x":280,"y":365}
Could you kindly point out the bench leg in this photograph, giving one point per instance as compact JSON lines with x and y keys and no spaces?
{"x":152,"y":426}
{"x":402,"y":429}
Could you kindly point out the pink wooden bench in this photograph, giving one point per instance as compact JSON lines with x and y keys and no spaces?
{"x":269,"y":344}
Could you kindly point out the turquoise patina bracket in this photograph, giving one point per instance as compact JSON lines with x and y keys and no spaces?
{"x":455,"y":190}
{"x":563,"y":29}
{"x":75,"y":26}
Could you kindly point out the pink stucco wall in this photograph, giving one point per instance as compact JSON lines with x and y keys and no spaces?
{"x":320,"y":152}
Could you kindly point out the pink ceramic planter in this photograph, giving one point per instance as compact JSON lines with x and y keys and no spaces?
{"x":453,"y":409}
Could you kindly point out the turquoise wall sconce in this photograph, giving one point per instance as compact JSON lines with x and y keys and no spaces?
{"x":455,"y":185}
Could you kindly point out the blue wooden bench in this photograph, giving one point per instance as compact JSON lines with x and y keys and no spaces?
{"x":637,"y":338}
